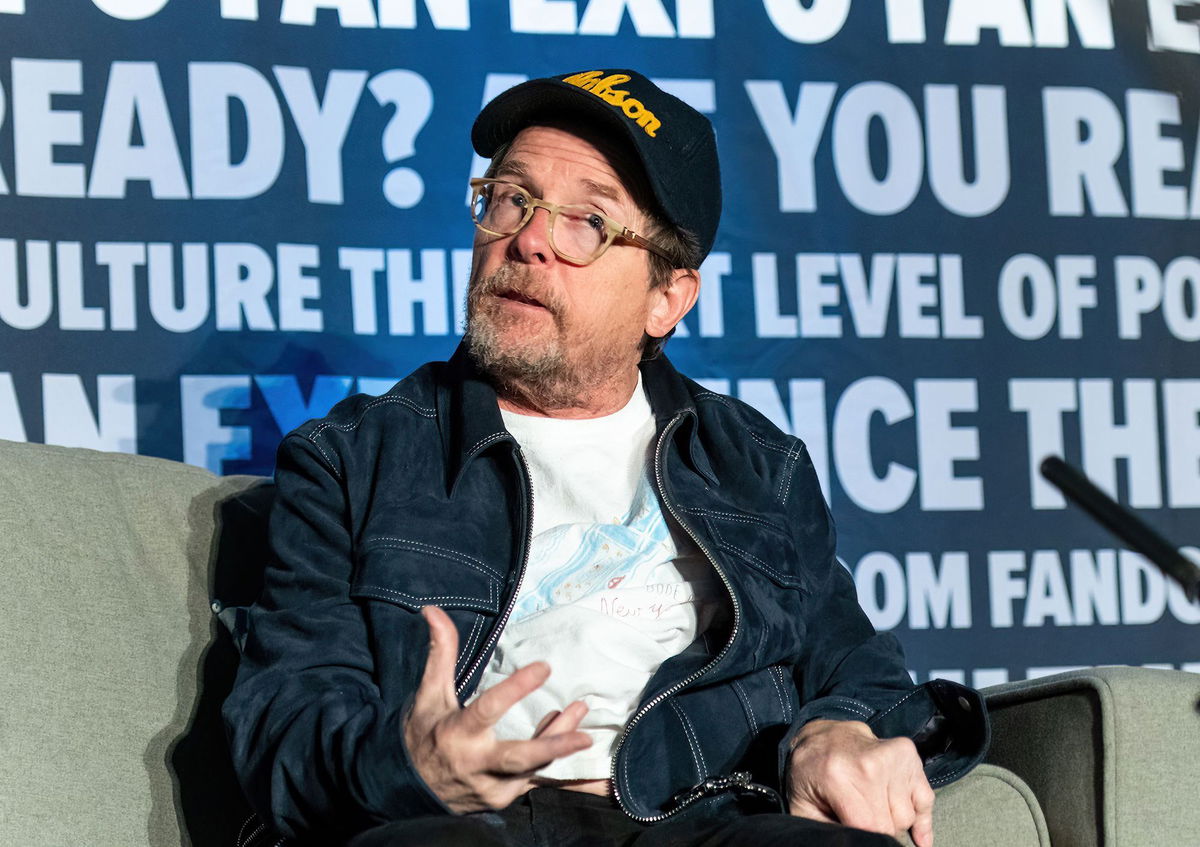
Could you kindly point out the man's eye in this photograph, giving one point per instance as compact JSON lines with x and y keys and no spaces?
{"x":596,"y":222}
{"x":506,"y":195}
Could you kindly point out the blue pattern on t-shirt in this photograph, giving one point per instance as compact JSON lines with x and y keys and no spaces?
{"x":627,"y":549}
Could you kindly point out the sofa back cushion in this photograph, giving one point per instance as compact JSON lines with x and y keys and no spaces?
{"x":107,"y":642}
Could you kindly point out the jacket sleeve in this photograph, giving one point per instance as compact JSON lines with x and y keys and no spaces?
{"x":848,"y":671}
{"x":318,"y":752}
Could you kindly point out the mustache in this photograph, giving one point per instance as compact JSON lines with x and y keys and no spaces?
{"x":515,"y":282}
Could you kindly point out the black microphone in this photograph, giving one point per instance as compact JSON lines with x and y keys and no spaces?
{"x":1123,"y":523}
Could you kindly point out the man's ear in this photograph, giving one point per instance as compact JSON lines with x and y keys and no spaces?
{"x":670,"y":302}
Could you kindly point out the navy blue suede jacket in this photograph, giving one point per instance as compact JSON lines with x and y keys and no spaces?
{"x":420,"y":497}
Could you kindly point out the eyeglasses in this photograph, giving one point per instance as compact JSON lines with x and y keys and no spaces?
{"x":579,"y":234}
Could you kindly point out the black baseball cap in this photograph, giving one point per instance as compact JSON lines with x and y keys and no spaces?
{"x":674,"y":143}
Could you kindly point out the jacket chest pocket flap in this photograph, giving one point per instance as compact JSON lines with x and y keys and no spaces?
{"x":762,"y":544}
{"x":413,"y":574}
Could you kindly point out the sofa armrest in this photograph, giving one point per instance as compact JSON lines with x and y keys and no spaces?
{"x":1112,"y":754}
{"x":989,"y":807}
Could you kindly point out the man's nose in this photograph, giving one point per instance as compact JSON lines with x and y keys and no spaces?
{"x":532,"y":243}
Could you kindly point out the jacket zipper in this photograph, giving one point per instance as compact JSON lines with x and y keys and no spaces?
{"x":512,"y":600}
{"x":737,"y":616}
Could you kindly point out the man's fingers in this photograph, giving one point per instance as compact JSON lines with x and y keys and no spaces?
{"x":556,"y":723}
{"x":922,"y":833}
{"x":520,"y":757}
{"x":437,"y":682}
{"x":491,"y":705}
{"x":903,"y":815}
{"x":806,"y":809}
{"x":922,"y":799}
{"x":545,"y":722}
{"x":872,"y":813}
{"x":911,"y":796}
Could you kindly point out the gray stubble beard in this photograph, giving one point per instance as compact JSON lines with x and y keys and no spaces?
{"x":546,"y":379}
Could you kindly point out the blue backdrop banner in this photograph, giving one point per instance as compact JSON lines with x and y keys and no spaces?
{"x":958,"y":236}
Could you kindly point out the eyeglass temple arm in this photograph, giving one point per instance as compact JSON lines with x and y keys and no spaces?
{"x":629,"y":235}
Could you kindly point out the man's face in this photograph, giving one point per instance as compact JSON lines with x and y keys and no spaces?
{"x":538,"y":323}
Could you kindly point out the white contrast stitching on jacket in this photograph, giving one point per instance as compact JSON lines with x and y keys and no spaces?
{"x":433,"y":550}
{"x":779,"y":576}
{"x":789,"y":466}
{"x":469,"y":649}
{"x":422,"y":599}
{"x":254,"y":833}
{"x":720,"y":398}
{"x":487,"y":440}
{"x":690,"y":734}
{"x":741,"y":695}
{"x":776,"y":676}
{"x":733,"y":516}
{"x":856,"y":708}
{"x":896,"y":705}
{"x":349,"y":427}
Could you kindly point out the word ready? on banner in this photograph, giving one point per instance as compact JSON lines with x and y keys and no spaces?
{"x":135,"y":105}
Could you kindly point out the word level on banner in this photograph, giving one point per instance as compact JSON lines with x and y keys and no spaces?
{"x":920,"y":292}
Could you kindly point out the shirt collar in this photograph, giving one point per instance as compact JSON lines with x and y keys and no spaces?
{"x":470,"y":421}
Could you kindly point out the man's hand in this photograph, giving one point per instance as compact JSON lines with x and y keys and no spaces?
{"x":454,"y":748}
{"x":839,"y":772}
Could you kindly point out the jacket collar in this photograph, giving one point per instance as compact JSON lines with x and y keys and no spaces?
{"x":669,"y":398}
{"x":470,"y":422}
{"x":468,"y":416}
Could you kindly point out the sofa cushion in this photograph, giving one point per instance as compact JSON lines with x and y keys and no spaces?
{"x":108,"y":644}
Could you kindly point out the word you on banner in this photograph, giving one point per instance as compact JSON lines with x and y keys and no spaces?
{"x":1093,"y":147}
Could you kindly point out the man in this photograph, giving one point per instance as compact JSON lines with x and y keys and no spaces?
{"x":637,"y":630}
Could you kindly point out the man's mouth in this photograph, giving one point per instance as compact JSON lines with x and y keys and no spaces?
{"x":519,"y":297}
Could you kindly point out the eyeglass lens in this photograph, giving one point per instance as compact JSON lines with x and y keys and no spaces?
{"x":577,"y":231}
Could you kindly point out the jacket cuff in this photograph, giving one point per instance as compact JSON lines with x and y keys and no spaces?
{"x":948,"y":723}
{"x":385,"y":774}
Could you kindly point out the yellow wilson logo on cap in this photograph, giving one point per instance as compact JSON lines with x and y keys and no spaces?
{"x":602,"y":86}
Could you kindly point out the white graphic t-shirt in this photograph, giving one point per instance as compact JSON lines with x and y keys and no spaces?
{"x":610,"y":591}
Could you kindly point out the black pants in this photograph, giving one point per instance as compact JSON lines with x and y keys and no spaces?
{"x":550,"y":817}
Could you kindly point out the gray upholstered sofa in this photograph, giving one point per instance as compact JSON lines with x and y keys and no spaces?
{"x":114,"y":667}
